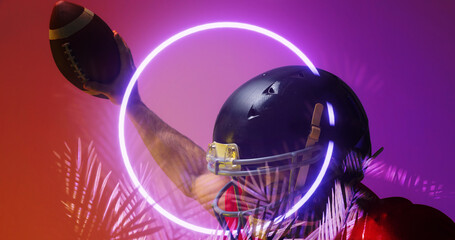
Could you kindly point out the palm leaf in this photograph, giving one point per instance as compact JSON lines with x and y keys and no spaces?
{"x":100,"y":204}
{"x":97,"y":119}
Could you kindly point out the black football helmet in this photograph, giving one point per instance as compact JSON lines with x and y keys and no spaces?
{"x":283,"y":120}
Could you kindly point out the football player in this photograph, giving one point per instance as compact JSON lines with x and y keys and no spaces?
{"x":288,"y":153}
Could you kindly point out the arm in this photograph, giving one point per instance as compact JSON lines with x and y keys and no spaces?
{"x":179,"y":157}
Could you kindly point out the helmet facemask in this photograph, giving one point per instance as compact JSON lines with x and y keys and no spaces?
{"x":272,"y":184}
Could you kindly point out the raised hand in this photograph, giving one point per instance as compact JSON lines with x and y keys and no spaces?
{"x":116,"y":89}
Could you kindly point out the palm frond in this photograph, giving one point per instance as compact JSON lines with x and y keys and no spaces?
{"x":95,"y":120}
{"x":100,"y":204}
{"x":404,"y":178}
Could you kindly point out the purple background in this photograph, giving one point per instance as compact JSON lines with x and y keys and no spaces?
{"x":397,"y":56}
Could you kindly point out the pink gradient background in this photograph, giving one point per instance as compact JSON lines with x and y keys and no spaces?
{"x":398,"y":58}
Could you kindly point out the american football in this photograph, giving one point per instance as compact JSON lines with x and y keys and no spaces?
{"x":82,"y":45}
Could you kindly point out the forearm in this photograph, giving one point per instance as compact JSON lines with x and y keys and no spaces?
{"x":181,"y":159}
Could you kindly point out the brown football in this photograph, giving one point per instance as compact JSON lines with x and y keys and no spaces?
{"x":83,"y":45}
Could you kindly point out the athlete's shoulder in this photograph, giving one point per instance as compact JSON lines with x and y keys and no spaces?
{"x":399,"y":218}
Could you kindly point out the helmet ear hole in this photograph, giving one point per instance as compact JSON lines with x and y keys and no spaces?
{"x":272,"y":89}
{"x":252,"y":113}
{"x":300,"y":74}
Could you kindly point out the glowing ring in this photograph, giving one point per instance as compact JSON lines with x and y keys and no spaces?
{"x":138,"y":72}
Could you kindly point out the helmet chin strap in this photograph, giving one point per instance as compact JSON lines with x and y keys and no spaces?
{"x":312,"y":139}
{"x":302,"y":172}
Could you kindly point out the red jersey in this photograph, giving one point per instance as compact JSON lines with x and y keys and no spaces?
{"x":382,"y":219}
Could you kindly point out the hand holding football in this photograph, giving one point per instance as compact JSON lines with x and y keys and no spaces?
{"x":83,"y":45}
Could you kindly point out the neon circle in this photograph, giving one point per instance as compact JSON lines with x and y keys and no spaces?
{"x":149,"y":58}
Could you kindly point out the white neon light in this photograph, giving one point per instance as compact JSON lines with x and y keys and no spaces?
{"x":331,"y":114}
{"x":316,"y":183}
{"x":138,"y":72}
{"x":309,"y":193}
{"x":325,"y":165}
